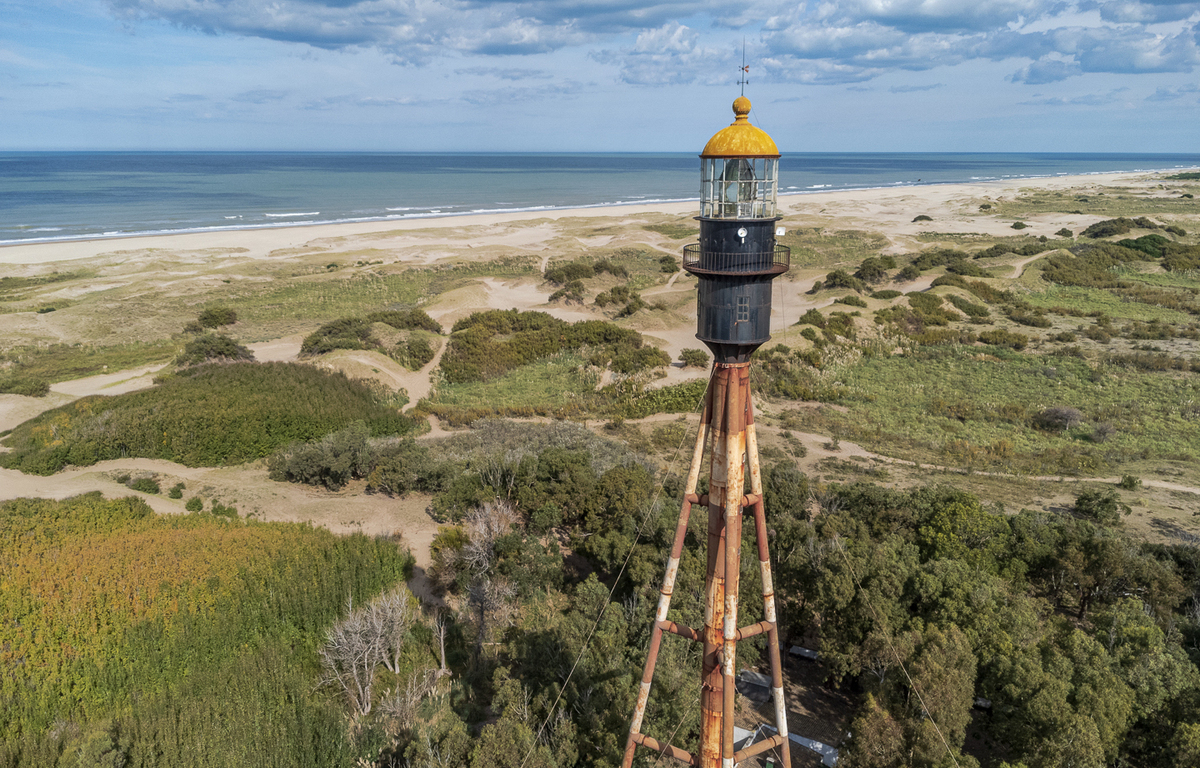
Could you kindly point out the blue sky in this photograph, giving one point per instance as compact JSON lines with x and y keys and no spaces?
{"x":602,"y":75}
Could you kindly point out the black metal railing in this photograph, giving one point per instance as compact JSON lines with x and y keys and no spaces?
{"x":773,"y":262}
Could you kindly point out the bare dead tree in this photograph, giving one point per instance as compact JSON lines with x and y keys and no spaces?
{"x":484,"y":526}
{"x":352,"y":651}
{"x":393,"y":615}
{"x":440,"y":624}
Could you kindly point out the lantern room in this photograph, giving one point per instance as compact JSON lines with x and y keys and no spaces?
{"x":737,"y":257}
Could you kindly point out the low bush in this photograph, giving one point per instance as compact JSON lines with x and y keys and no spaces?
{"x":564,"y":272}
{"x":194,"y":504}
{"x":668,"y":265}
{"x":474,"y":353}
{"x":176,"y":491}
{"x":909,"y":273}
{"x":839,"y":278}
{"x":1118,"y":226}
{"x":24,"y":385}
{"x":1000,"y":337}
{"x":694,"y":358}
{"x":146,"y":485}
{"x":1129,"y":483}
{"x":970,"y":309}
{"x":1020,"y":225}
{"x":851,"y":300}
{"x":1064,"y":232}
{"x":886,"y":295}
{"x":215,"y":317}
{"x":923,"y":217}
{"x":812,"y":317}
{"x":1103,"y":506}
{"x":1057,"y":418}
{"x":214,"y":347}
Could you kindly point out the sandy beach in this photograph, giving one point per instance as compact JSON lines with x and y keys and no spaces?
{"x":880,"y":206}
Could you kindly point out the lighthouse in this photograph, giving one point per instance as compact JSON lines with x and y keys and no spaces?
{"x":734,"y":263}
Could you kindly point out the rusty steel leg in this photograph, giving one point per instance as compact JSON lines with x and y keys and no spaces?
{"x":735,"y":451}
{"x":668,"y":585}
{"x":768,"y":587}
{"x":712,"y":688}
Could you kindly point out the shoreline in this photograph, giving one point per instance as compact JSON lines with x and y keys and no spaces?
{"x":261,"y":241}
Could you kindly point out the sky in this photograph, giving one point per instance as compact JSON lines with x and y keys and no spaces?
{"x":599,"y":75}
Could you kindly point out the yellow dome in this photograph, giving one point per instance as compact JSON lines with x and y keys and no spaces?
{"x":740,"y":139}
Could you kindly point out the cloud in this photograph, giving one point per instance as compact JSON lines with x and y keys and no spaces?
{"x":1173,"y":94}
{"x":514,"y":94}
{"x":662,"y":42}
{"x":914,"y":88}
{"x":505,"y":73}
{"x":669,"y":55}
{"x":1046,"y":70}
{"x":1084,"y":100}
{"x":415,"y":31}
{"x":263,"y":96}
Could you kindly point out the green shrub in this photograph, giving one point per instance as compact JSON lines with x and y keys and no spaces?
{"x":220,"y":510}
{"x":194,"y":504}
{"x":1020,"y":225}
{"x":176,"y":491}
{"x":694,"y":358}
{"x":851,"y":300}
{"x":564,"y":272}
{"x":616,"y":270}
{"x":886,"y":295}
{"x":841,"y":279}
{"x":970,"y":309}
{"x":668,"y":265}
{"x":873,"y":269}
{"x":1103,"y":506}
{"x":1000,"y":337}
{"x":215,"y":317}
{"x":474,"y":353}
{"x":22,"y":385}
{"x":1129,"y":483}
{"x":209,"y":347}
{"x":146,"y":485}
{"x":344,"y":333}
{"x":812,"y":317}
{"x":406,"y":320}
{"x":1057,"y":418}
{"x":572,"y":291}
{"x":922,"y":217}
{"x":909,"y":273}
{"x":1064,"y":232}
{"x":1118,"y":226}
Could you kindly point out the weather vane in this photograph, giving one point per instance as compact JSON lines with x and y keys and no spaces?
{"x":745,"y":70}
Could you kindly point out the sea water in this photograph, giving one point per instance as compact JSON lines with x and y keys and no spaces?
{"x":46,"y":196}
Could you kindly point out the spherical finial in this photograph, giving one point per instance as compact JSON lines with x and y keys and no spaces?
{"x":741,"y":108}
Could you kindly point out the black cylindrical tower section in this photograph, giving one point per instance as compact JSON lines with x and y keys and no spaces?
{"x":737,"y":256}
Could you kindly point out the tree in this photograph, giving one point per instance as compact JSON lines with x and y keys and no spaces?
{"x":354,"y":648}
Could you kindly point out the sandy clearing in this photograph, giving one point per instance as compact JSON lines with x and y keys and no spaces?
{"x":277,"y":351}
{"x":116,"y":383}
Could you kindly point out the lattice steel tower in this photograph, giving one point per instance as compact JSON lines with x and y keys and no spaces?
{"x":735,"y":262}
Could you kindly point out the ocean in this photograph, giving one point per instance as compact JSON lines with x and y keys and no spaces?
{"x":47,"y":196}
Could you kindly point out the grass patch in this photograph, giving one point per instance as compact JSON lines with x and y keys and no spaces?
{"x":1088,"y":300}
{"x":551,"y":383}
{"x":1111,"y":201}
{"x":955,"y":406}
{"x":63,"y":362}
{"x":812,"y":246}
{"x":675,"y":230}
